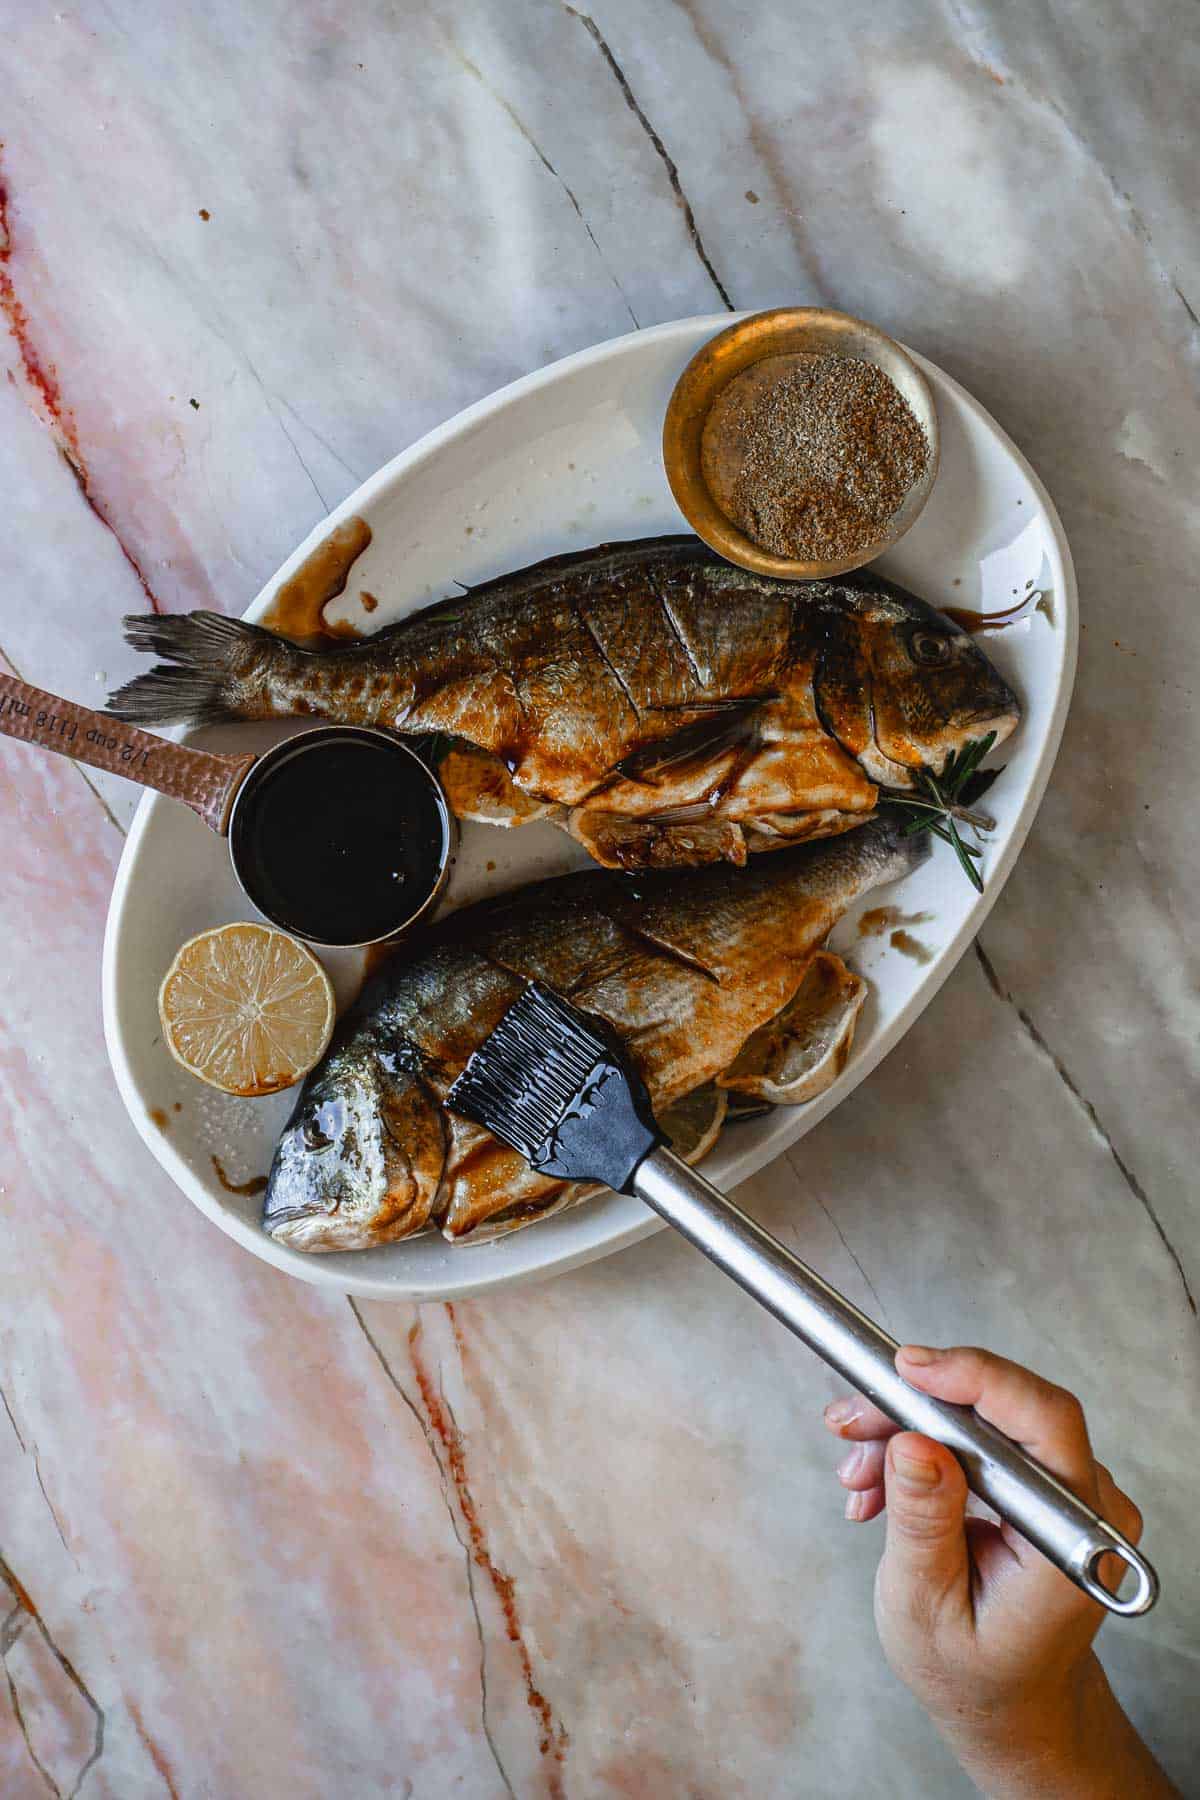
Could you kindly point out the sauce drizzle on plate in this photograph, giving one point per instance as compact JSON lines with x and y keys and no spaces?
{"x":298,"y":608}
{"x":257,"y":1184}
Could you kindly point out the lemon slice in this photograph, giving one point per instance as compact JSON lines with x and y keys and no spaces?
{"x":247,"y":1009}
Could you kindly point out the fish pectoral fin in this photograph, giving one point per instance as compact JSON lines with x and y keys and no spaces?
{"x":721,"y":725}
{"x":617,"y":841}
{"x":414,"y":1161}
{"x":479,"y":786}
{"x":801,"y":1051}
{"x":488,"y":1188}
{"x":771,"y":831}
{"x":464,"y":1227}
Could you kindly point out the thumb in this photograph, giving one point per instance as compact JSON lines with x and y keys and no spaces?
{"x":925,"y":1563}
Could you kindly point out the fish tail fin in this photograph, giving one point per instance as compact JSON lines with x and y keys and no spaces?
{"x":859,"y":857}
{"x":216,"y":668}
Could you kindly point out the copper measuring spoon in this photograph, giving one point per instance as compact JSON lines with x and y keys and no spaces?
{"x":217,"y":786}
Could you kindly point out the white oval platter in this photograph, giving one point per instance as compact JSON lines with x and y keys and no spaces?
{"x":567,"y":457}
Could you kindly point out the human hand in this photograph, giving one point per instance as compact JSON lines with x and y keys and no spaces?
{"x":994,"y":1642}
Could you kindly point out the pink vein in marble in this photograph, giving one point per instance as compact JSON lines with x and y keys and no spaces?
{"x":58,"y":1726}
{"x":44,"y":392}
{"x":553,"y":1740}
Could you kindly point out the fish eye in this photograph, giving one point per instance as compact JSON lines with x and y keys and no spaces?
{"x":929,"y":648}
{"x":320,"y":1126}
{"x":314,"y":1137}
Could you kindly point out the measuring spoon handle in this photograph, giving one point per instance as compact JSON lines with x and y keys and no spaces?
{"x":203,"y":780}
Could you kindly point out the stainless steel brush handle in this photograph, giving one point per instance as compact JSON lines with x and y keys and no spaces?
{"x":1049,"y":1515}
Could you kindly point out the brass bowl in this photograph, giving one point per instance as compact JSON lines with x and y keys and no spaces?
{"x":783,"y":332}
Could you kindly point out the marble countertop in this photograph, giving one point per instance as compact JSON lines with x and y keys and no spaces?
{"x":582,"y":1539}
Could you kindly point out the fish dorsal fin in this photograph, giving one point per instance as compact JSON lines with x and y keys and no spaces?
{"x":678,"y":548}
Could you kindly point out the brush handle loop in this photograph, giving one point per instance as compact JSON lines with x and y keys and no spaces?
{"x":202,"y":779}
{"x":1036,"y":1503}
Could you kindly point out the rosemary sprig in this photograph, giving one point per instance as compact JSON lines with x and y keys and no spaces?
{"x":941,"y":803}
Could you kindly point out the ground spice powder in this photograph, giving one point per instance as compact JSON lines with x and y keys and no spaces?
{"x":812,"y":455}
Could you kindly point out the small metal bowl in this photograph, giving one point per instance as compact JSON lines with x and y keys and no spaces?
{"x":305,"y":745}
{"x":783,"y":332}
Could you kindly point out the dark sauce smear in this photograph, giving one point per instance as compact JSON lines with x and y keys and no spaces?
{"x":245,"y":1188}
{"x":974,"y":622}
{"x":257,"y":1184}
{"x":298,"y":608}
{"x":341,"y":842}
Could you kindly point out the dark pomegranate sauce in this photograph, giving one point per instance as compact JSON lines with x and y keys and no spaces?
{"x":342,"y":838}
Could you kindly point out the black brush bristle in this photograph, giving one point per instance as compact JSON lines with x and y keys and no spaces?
{"x":522,"y":1080}
{"x":553,"y":1084}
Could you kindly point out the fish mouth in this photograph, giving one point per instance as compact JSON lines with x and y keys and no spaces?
{"x":1002,"y":725}
{"x":303,"y":1184}
{"x":292,"y":1197}
{"x":305,"y":1209}
{"x":275,"y":1216}
{"x":904,"y":776}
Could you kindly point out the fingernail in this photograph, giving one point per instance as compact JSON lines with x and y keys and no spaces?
{"x":915,"y":1472}
{"x":920,"y":1354}
{"x":851,"y":1464}
{"x":840,"y":1413}
{"x":855,"y":1504}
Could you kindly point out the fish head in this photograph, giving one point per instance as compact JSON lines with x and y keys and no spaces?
{"x":902,"y":688}
{"x":360,"y":1161}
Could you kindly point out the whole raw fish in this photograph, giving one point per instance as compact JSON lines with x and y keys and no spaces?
{"x":715,"y":980}
{"x":662,"y":705}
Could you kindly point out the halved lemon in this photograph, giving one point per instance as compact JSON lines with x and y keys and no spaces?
{"x":247,"y":1009}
